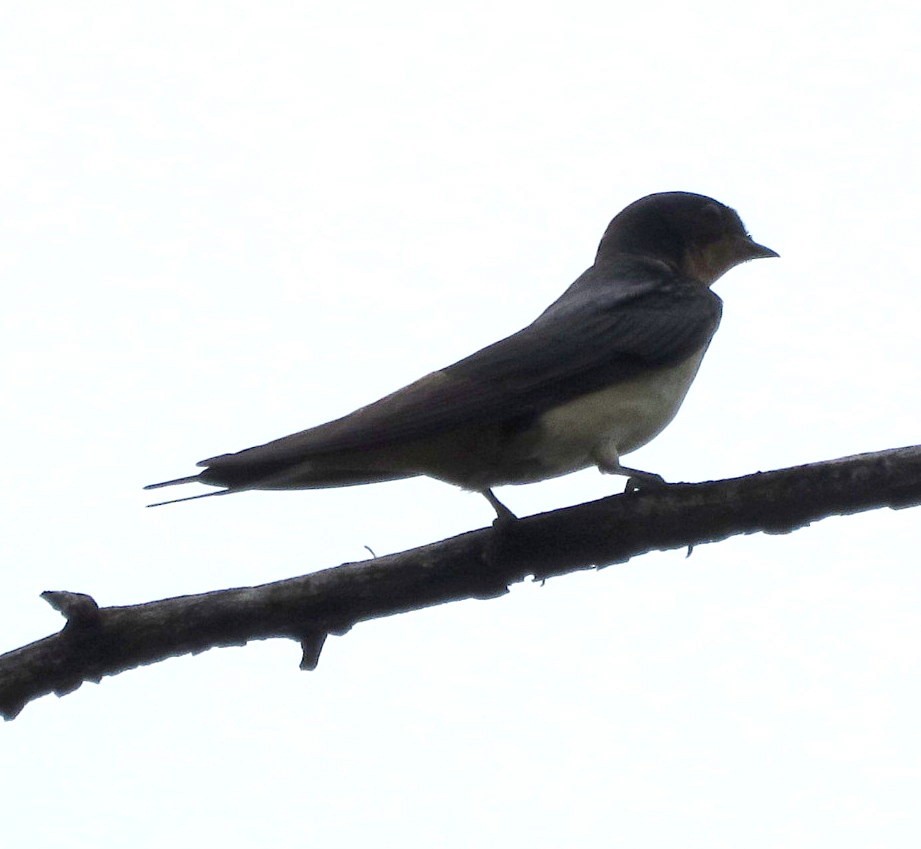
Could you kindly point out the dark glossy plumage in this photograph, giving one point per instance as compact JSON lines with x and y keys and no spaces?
{"x":643,"y":308}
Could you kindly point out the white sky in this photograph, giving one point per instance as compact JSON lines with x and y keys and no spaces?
{"x":223,"y":222}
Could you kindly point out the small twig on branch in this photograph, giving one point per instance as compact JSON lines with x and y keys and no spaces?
{"x":97,"y":642}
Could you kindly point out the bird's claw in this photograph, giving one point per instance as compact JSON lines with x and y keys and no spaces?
{"x":644,"y":480}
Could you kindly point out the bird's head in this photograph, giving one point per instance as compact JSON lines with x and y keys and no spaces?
{"x":699,"y":236}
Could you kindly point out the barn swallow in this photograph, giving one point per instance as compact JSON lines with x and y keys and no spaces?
{"x":597,"y":375}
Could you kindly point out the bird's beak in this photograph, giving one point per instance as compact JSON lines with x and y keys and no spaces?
{"x":753,"y":250}
{"x":710,"y":263}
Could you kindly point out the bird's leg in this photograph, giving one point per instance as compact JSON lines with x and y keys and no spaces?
{"x":608,"y":462}
{"x":503,"y":528}
{"x":503,"y":515}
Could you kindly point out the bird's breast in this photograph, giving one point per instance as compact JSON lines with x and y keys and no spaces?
{"x":626,"y":415}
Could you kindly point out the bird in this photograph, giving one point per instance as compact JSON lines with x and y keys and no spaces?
{"x":595,"y":376}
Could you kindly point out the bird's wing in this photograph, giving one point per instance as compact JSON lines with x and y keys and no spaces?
{"x":607,"y":327}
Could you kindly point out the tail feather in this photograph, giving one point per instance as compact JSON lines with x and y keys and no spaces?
{"x":174,"y":482}
{"x":237,"y":476}
{"x":188,"y":497}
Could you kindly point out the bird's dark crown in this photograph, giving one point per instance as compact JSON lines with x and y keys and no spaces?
{"x":696,"y":235}
{"x":666,"y":225}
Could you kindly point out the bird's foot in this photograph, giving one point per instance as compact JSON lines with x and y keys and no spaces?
{"x":643,"y":480}
{"x":609,"y":464}
{"x":503,"y":528}
{"x":504,"y":516}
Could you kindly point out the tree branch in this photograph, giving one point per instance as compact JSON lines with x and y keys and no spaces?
{"x":480,"y":564}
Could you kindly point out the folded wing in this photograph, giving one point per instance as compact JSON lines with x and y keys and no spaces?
{"x":610,"y":324}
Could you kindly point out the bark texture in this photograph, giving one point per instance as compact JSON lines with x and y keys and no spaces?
{"x":96,"y":641}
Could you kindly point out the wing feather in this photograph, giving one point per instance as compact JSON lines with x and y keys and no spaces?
{"x":610,"y":324}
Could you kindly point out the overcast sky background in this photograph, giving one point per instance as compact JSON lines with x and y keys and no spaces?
{"x":224,"y":222}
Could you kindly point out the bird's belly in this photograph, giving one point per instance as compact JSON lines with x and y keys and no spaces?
{"x":623,"y":417}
